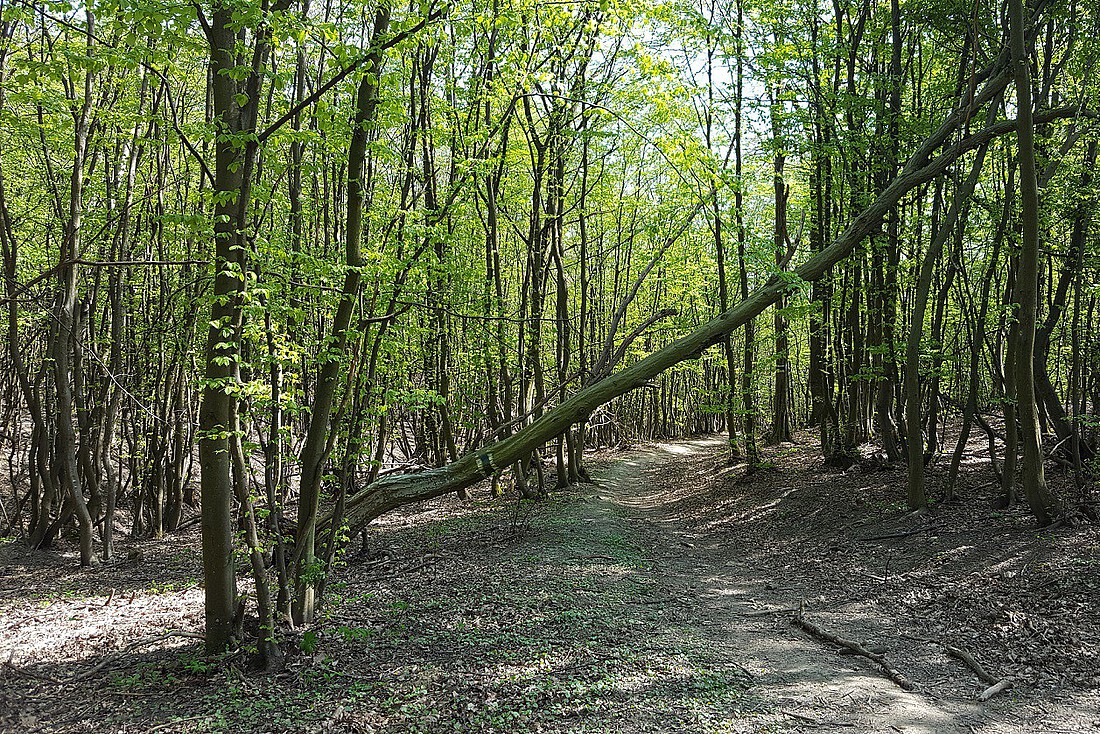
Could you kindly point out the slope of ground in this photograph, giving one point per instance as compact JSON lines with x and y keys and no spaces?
{"x":658,"y":600}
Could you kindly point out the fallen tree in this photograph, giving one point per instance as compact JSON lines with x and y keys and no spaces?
{"x":933,"y":157}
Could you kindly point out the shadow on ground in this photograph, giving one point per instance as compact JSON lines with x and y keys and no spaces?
{"x":657,"y":600}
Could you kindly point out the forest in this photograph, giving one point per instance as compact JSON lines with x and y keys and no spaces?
{"x":549,"y":365}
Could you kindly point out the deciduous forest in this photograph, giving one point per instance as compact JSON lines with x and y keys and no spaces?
{"x":549,"y":365}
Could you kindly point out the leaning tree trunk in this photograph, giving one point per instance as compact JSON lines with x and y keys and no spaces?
{"x":914,"y":445}
{"x":316,"y":446}
{"x":392,"y":492}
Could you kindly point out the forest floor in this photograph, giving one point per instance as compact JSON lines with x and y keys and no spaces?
{"x":659,"y":599}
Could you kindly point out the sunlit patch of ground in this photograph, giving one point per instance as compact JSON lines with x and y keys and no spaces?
{"x":658,"y":600}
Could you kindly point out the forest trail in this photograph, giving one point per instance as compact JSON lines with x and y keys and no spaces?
{"x":723,"y":598}
{"x":723,"y":589}
{"x":655,"y":600}
{"x":321,"y":268}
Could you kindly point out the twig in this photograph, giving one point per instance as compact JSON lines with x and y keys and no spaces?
{"x":28,"y":673}
{"x":997,"y":685}
{"x":802,"y":717}
{"x":767,"y":612}
{"x":130,"y":648}
{"x":993,"y":690}
{"x":971,"y":663}
{"x":428,"y":560}
{"x":173,"y":722}
{"x":666,"y":600}
{"x":889,"y":670}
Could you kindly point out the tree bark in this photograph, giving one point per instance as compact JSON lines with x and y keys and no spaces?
{"x":1044,"y":505}
{"x":914,"y":445}
{"x":316,"y":446}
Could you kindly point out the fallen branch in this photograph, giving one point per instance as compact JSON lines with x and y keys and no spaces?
{"x":664,"y":600}
{"x":28,"y":673}
{"x":901,"y":534}
{"x":971,"y":663}
{"x":889,"y":670}
{"x":993,"y":690}
{"x":130,"y":648}
{"x":802,"y":717}
{"x":997,"y":685}
{"x":767,"y":612}
{"x":174,"y":722}
{"x":428,"y":559}
{"x":931,"y":159}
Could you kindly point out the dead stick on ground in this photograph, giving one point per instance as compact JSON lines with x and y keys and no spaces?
{"x":767,"y":612}
{"x":802,"y":717}
{"x":426,"y":561}
{"x":891,"y":536}
{"x":996,"y":686}
{"x":29,"y":673}
{"x":130,"y":648}
{"x":889,"y":670}
{"x":971,"y":663}
{"x":173,"y":722}
{"x":993,"y":690}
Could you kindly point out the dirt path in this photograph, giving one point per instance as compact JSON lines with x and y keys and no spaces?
{"x":728,"y":587}
{"x":655,"y":600}
{"x":726,"y":598}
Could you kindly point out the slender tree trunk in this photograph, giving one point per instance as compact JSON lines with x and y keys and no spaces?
{"x":720,"y":253}
{"x":1044,"y":505}
{"x":781,"y":418}
{"x":748,"y":396}
{"x":316,"y":446}
{"x":914,"y":445}
{"x":66,"y":340}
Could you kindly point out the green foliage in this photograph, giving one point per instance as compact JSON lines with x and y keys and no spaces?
{"x":603,"y":134}
{"x":309,"y":642}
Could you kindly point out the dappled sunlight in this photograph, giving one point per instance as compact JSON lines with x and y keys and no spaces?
{"x":805,"y":525}
{"x":659,"y":599}
{"x":675,"y":449}
{"x":78,"y":629}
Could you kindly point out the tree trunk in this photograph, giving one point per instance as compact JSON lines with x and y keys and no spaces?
{"x":316,"y":446}
{"x":1044,"y":505}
